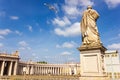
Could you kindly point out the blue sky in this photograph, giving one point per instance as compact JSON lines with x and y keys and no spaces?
{"x":39,"y":33}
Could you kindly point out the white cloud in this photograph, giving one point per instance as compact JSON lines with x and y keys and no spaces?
{"x":61,"y":22}
{"x":73,"y":30}
{"x":66,"y":45}
{"x":14,"y":17}
{"x":57,"y":7}
{"x":119,"y":35}
{"x":25,"y":48}
{"x":71,"y":11}
{"x":28,"y":48}
{"x":5,"y":31}
{"x":1,"y":37}
{"x":71,"y":59}
{"x":66,"y":53}
{"x":112,"y":3}
{"x":30,"y":28}
{"x":114,"y":46}
{"x":75,"y":8}
{"x":1,"y":45}
{"x":22,"y":48}
{"x":58,"y":46}
{"x":85,"y":3}
{"x":46,"y":50}
{"x":22,"y":43}
{"x":115,"y":38}
{"x":17,"y":32}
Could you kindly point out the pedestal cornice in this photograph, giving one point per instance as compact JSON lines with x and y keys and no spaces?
{"x":92,"y":47}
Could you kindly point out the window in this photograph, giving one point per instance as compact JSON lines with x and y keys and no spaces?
{"x":109,"y":75}
{"x":107,"y":55}
{"x":114,"y":55}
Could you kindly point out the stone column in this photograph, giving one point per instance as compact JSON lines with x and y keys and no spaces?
{"x":51,"y":70}
{"x":45,"y":70}
{"x":2,"y":68}
{"x":75,"y":70}
{"x":10,"y":68}
{"x":35,"y":70}
{"x":15,"y":68}
{"x":61,"y":70}
{"x":32,"y":71}
{"x":42,"y":70}
{"x":54,"y":71}
{"x":69,"y":70}
{"x":58,"y":71}
{"x":39,"y":70}
{"x":27,"y":69}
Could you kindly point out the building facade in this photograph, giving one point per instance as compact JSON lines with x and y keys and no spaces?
{"x":112,"y":64}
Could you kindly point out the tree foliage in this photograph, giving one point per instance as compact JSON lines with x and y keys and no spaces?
{"x":42,"y":62}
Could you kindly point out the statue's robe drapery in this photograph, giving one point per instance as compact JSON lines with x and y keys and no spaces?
{"x":88,"y":27}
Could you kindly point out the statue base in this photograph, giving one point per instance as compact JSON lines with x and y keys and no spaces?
{"x":92,"y":46}
{"x":92,"y":60}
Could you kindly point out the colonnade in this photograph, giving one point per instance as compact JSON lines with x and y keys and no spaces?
{"x":43,"y":70}
{"x":46,"y":69}
{"x":8,"y":67}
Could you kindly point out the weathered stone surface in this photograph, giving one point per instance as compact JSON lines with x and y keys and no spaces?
{"x":91,"y":59}
{"x":91,"y":47}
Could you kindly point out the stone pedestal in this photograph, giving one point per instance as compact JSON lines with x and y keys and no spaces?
{"x":92,"y":61}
